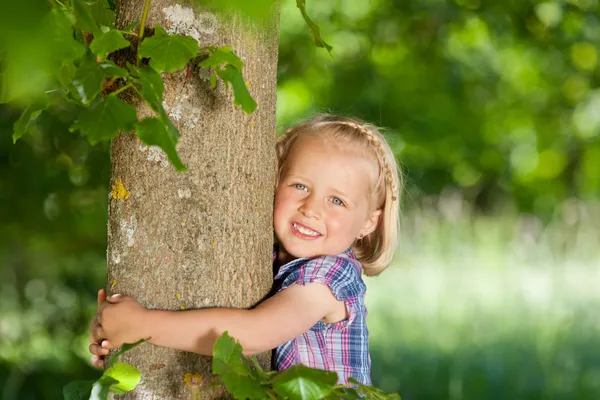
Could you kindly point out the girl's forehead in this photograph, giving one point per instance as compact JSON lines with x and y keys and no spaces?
{"x":317,"y":156}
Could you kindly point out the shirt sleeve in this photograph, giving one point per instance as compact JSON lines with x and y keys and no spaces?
{"x":337,"y":273}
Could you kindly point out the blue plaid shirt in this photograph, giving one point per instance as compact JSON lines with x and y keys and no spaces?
{"x":342,"y":347}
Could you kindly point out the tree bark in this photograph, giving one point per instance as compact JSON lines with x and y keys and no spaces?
{"x":202,"y":238}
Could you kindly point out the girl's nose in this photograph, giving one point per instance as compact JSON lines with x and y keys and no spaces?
{"x":310,"y":208}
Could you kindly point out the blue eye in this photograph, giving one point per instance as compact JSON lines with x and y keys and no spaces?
{"x":300,"y":186}
{"x":337,"y":201}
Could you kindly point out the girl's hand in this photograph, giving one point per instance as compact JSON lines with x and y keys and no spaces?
{"x":121,"y":321}
{"x":96,"y":336}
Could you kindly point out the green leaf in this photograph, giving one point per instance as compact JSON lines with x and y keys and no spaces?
{"x":228,"y":67}
{"x":127,"y":347}
{"x":234,"y":370}
{"x":344,"y":393}
{"x":61,"y":44}
{"x":118,"y":379}
{"x":240,"y":386}
{"x":105,"y":119}
{"x":78,"y":390}
{"x":159,"y":132}
{"x":151,"y":90}
{"x":125,"y":377}
{"x":85,"y":19}
{"x":102,"y":13}
{"x":301,"y":382}
{"x":106,"y":43}
{"x":151,"y":86}
{"x":314,"y":28}
{"x":35,"y":58}
{"x":371,"y":392}
{"x":28,"y":118}
{"x":241,"y":95}
{"x":219,"y":56}
{"x":258,"y":370}
{"x":66,"y":73}
{"x":229,"y":351}
{"x":131,"y":27}
{"x":101,"y":388}
{"x":90,"y":76}
{"x":168,"y":52}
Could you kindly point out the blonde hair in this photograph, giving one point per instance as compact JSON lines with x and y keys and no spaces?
{"x":374,"y":251}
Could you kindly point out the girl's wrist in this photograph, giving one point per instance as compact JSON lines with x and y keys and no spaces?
{"x":145,"y":323}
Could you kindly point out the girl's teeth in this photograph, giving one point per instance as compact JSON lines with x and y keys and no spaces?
{"x":305,"y":231}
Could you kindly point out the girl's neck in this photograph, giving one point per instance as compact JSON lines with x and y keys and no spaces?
{"x":283,"y":257}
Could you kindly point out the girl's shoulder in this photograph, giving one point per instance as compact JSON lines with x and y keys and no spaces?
{"x":341,"y":273}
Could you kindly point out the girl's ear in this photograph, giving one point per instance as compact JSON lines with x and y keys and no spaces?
{"x":371,"y":224}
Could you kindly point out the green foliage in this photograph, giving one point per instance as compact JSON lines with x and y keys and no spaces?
{"x":168,"y":52}
{"x":296,"y":383}
{"x":102,"y":13}
{"x":69,"y":55}
{"x":127,"y":347}
{"x":85,"y":19}
{"x":52,"y":57}
{"x":228,"y":67}
{"x":108,"y":42}
{"x":105,"y":119}
{"x":101,"y":388}
{"x":234,"y":370}
{"x":119,"y":378}
{"x":160,"y":132}
{"x":314,"y":28}
{"x":301,"y":382}
{"x":496,"y":99}
{"x":79,"y":390}
{"x":151,"y":87}
{"x":28,"y":117}
{"x":90,"y":76}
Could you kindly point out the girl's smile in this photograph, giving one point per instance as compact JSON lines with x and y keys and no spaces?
{"x":304,"y":232}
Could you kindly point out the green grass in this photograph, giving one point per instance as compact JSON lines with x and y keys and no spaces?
{"x":490,"y":308}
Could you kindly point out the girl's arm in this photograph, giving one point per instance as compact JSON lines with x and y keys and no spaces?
{"x":280,"y":318}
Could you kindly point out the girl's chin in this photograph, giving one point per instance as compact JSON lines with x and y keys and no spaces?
{"x":300,"y":250}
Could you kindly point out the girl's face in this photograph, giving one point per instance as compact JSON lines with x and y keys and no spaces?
{"x":322,"y":199}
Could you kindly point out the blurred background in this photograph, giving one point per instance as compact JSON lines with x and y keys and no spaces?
{"x":493,"y":110}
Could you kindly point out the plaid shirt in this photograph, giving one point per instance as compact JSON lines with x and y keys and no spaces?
{"x":342,"y":347}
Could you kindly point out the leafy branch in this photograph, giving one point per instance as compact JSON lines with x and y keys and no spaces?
{"x":71,"y":67}
{"x":84,"y":77}
{"x":243,"y":378}
{"x":314,"y":28}
{"x":119,"y":378}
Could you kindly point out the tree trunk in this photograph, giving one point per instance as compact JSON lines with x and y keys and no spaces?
{"x":202,"y":238}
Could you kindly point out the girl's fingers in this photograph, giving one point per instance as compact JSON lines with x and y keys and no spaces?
{"x":97,"y":349}
{"x":101,"y":296}
{"x":115,"y":298}
{"x":96,"y":333}
{"x":97,"y":362}
{"x":106,"y":345}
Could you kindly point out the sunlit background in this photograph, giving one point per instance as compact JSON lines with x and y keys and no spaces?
{"x":493,"y":110}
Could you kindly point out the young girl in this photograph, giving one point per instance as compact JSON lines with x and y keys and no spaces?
{"x":335,"y":217}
